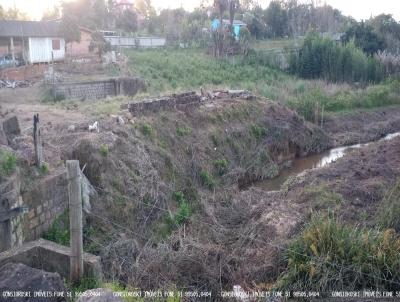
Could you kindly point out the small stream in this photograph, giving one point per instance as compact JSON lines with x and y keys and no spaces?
{"x":312,"y":162}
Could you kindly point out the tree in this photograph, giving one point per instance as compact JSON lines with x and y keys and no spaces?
{"x":127,"y":21}
{"x":365,"y":38}
{"x":276,"y":19}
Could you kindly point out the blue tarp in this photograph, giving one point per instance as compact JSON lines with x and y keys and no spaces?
{"x":215,"y":25}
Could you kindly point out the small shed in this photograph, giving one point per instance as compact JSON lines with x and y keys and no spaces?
{"x":32,"y":41}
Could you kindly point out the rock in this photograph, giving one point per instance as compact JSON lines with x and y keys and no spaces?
{"x":121,"y":120}
{"x":11,"y":127}
{"x":71,"y":128}
{"x":17,"y":277}
{"x":99,"y":295}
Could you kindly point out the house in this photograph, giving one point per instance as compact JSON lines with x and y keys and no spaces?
{"x":237,"y":25}
{"x":81,"y":48}
{"x":32,"y":41}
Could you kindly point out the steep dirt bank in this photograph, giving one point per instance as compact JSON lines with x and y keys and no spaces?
{"x":362,"y":126}
{"x":154,"y":168}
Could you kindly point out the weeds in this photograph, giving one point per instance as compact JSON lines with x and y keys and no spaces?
{"x":104,"y":150}
{"x":44,"y":168}
{"x":389,"y":212}
{"x":329,"y":256}
{"x":183,"y":131}
{"x":258,"y":131}
{"x":59,"y":230}
{"x":8,"y":163}
{"x":207,"y":180}
{"x":146,"y":129}
{"x":221,"y":165}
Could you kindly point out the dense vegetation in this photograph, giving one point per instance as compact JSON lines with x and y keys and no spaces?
{"x":178,"y":70}
{"x":322,"y":58}
{"x":330,"y":256}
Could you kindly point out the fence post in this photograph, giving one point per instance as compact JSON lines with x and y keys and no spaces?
{"x":75,"y":220}
{"x":37,"y":140}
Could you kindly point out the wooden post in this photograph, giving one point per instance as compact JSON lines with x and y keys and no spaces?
{"x":12,"y":50}
{"x":37,"y":140}
{"x":75,"y":220}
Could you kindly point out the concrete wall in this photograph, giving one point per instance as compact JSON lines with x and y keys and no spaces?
{"x":139,"y":42}
{"x":51,"y":257}
{"x":175,"y":101}
{"x":99,"y":89}
{"x":47,"y":200}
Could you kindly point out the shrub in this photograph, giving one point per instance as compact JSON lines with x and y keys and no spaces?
{"x":8,"y":163}
{"x":59,"y":230}
{"x":221,"y":165}
{"x":183,"y":131}
{"x":44,"y":168}
{"x":328,"y":256}
{"x":146,"y":129}
{"x":103,"y":150}
{"x":258,"y":131}
{"x":206,"y":179}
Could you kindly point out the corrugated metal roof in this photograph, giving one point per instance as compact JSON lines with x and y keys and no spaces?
{"x":11,"y":28}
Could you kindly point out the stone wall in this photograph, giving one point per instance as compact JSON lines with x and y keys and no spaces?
{"x":98,"y":89}
{"x":175,"y":101}
{"x":47,"y":200}
{"x":11,"y":234}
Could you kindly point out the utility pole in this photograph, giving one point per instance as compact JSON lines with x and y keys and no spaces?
{"x":75,"y":220}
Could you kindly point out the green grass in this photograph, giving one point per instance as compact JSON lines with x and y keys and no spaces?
{"x":328,"y":256}
{"x":104,"y":150}
{"x":172,"y":70}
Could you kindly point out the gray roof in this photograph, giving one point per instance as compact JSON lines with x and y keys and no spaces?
{"x":10,"y":28}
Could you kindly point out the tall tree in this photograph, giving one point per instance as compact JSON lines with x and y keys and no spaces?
{"x":276,"y":19}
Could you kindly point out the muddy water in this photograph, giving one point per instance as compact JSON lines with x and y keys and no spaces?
{"x":312,"y":162}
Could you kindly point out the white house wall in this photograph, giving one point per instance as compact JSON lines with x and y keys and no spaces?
{"x":41,"y":50}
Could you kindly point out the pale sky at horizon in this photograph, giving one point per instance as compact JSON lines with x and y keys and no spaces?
{"x":359,"y":9}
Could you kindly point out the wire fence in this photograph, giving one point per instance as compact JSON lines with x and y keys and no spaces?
{"x":280,"y":247}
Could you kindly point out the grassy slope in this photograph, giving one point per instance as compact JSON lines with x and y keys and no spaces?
{"x":171,"y":70}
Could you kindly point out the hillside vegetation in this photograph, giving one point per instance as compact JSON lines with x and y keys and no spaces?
{"x":171,"y":70}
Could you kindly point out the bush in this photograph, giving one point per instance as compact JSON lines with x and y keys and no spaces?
{"x":206,"y":179}
{"x":258,"y":131}
{"x":329,"y":256}
{"x":146,"y":129}
{"x":221,"y":165}
{"x":59,"y":230}
{"x":183,"y":131}
{"x":8,"y":163}
{"x":44,"y":168}
{"x":104,"y":150}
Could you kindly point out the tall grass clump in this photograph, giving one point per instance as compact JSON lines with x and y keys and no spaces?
{"x":322,"y":58}
{"x":328,"y":256}
{"x":389,"y":211}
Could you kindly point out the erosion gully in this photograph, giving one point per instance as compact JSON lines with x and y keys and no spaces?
{"x":313,"y":162}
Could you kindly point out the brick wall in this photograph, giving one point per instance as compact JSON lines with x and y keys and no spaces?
{"x":99,"y":89}
{"x":45,"y":201}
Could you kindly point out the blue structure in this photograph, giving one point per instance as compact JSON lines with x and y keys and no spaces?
{"x":237,"y":25}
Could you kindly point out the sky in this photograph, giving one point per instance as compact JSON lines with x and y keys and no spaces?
{"x":358,"y":9}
